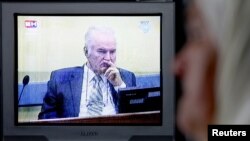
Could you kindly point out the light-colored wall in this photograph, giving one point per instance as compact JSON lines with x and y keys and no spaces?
{"x":58,"y":42}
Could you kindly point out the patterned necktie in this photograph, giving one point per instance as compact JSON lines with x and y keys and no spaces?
{"x":95,"y":104}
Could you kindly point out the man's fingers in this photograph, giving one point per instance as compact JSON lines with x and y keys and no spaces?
{"x":106,"y":74}
{"x":111,"y":75}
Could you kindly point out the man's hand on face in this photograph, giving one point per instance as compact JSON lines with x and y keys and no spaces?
{"x":113,"y":74}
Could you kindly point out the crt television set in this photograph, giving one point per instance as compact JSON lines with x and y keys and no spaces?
{"x":40,"y":37}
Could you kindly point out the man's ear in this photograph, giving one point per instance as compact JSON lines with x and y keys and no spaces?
{"x":86,"y":51}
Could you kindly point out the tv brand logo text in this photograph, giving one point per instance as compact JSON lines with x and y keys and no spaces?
{"x":89,"y":133}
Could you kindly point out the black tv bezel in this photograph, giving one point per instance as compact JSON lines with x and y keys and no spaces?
{"x":75,"y":132}
{"x":78,"y":124}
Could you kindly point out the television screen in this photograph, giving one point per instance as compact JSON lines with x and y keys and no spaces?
{"x":89,"y":71}
{"x":56,"y":43}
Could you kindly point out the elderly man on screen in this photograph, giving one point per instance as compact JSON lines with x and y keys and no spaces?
{"x":89,"y":90}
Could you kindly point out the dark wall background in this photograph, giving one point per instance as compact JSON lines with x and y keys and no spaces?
{"x":180,"y":39}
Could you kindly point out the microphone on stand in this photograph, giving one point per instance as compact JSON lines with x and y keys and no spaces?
{"x":26,"y":80}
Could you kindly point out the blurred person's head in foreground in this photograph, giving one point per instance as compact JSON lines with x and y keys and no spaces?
{"x":213,"y":66}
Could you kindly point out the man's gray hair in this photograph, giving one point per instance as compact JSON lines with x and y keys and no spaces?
{"x":97,"y":29}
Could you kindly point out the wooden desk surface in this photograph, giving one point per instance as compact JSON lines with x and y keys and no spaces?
{"x":140,"y":118}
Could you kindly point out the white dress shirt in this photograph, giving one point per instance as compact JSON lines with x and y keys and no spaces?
{"x":109,"y":106}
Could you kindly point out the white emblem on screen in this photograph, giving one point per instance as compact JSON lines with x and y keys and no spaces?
{"x":145,"y":26}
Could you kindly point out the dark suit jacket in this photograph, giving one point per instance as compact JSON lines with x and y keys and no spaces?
{"x":64,"y":92}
